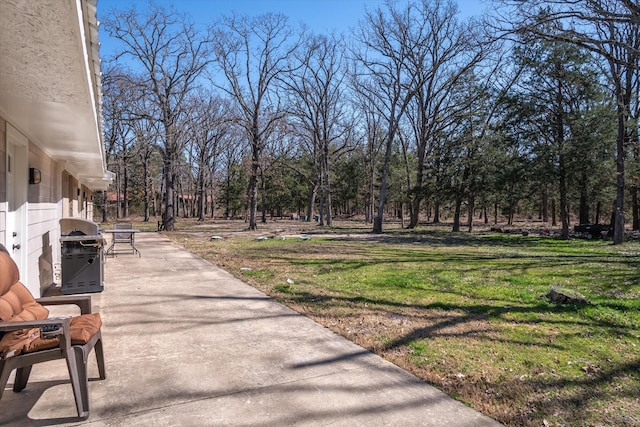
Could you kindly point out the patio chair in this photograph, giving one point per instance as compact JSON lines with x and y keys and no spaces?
{"x":28,"y":336}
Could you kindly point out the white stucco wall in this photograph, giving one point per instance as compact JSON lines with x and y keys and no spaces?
{"x":43,"y":245}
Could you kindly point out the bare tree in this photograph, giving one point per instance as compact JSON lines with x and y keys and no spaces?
{"x":173,"y":55}
{"x":385,"y":78}
{"x":119,"y":136}
{"x":232,"y":150}
{"x":317,"y":103}
{"x":208,"y":125}
{"x":146,"y":134}
{"x":371,"y":125}
{"x":252,"y":53}
{"x":444,"y":52}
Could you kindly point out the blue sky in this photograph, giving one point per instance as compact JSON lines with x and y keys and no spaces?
{"x":321,"y":16}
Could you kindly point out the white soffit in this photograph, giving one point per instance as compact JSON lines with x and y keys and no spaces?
{"x":49,"y":80}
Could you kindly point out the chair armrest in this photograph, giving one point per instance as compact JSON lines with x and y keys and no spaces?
{"x":82,"y":301}
{"x":65,"y":322}
{"x":62,"y":331}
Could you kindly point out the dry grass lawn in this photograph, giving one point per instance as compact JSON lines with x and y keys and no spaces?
{"x":462,"y":311}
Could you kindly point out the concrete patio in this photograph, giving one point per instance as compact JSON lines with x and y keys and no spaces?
{"x":187,"y":344}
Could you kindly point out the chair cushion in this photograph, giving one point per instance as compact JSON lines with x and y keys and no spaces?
{"x":17,"y":304}
{"x":84,"y":327}
{"x":8,"y":272}
{"x":24,"y":341}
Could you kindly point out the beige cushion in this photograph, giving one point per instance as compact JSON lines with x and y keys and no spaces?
{"x":17,"y":304}
{"x":84,"y":327}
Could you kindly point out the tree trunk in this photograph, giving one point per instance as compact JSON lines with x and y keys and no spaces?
{"x":377,"y":222}
{"x":326,"y":188}
{"x":321,"y":213}
{"x":263,"y":197}
{"x":417,"y":191}
{"x":168,"y":217}
{"x":145,"y":180}
{"x":545,"y":204}
{"x":636,"y":208}
{"x":312,"y":200}
{"x":564,"y":215}
{"x":118,"y":192}
{"x":635,"y":200}
{"x":253,"y":188}
{"x":559,"y":142}
{"x":213,"y":198}
{"x":202,"y":197}
{"x":370,"y":199}
{"x":618,"y":233}
{"x":471,"y":212}
{"x":329,"y":219}
{"x":125,"y":193}
{"x":414,"y":212}
{"x":456,"y":215}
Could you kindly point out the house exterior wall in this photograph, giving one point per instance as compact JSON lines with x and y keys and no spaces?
{"x":58,"y":195}
{"x":43,"y":213}
{"x":3,"y":182}
{"x":50,"y":120}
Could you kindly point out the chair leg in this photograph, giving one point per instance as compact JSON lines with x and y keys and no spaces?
{"x":78,"y":377}
{"x":78,"y":371}
{"x":100,"y":358}
{"x":5,"y":371}
{"x":22,"y":377}
{"x":82,"y":354}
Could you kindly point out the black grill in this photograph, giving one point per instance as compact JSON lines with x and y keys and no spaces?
{"x":82,"y":256}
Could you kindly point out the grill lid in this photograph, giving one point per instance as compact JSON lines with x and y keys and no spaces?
{"x":75,"y":226}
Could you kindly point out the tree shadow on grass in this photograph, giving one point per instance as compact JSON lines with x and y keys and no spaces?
{"x":471,"y":312}
{"x":441,"y":268}
{"x":535,"y":397}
